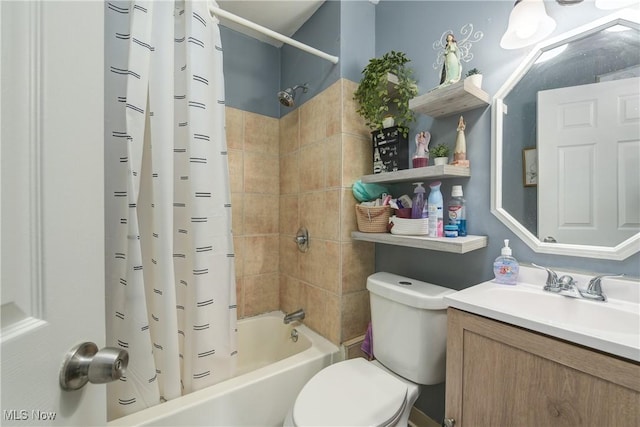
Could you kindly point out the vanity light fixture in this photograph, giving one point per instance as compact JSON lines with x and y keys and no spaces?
{"x":528,"y":24}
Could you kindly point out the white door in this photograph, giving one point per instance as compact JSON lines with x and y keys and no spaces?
{"x":52,"y":271}
{"x":589,"y":144}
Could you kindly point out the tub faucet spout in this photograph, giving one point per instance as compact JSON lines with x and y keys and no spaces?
{"x":296,"y":315}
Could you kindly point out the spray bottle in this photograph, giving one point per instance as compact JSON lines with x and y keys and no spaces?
{"x":418,"y":207}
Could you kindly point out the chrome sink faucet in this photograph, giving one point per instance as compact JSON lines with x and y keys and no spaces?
{"x":296,"y":315}
{"x":565,"y":285}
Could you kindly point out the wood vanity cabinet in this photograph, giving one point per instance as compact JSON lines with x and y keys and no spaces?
{"x":503,"y":375}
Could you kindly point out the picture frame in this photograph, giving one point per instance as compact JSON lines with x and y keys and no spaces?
{"x":530,"y":167}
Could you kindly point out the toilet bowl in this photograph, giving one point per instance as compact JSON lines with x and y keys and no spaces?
{"x":354,"y":392}
{"x":409,"y":333}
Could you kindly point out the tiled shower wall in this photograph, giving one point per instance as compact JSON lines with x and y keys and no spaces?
{"x":293,"y":172}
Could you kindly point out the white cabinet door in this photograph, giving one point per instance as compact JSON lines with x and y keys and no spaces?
{"x":589,"y":144}
{"x":52,"y":271}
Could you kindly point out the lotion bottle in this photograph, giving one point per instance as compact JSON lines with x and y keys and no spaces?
{"x":506,"y":267}
{"x":435,"y":208}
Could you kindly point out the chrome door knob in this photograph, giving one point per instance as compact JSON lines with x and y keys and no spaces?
{"x":84,"y":363}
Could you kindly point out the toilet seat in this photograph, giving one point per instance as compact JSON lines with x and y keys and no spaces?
{"x":354,"y":393}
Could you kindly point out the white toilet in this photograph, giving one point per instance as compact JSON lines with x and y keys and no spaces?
{"x":409,"y":324}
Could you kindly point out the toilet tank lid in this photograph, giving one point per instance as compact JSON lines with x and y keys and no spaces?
{"x":411,"y":292}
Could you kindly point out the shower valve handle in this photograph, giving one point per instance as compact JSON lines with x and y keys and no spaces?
{"x":302,"y":239}
{"x":84,"y":363}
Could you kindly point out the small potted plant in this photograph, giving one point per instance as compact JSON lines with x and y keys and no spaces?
{"x":440,"y":154}
{"x":475,"y":76}
{"x":375,"y":94}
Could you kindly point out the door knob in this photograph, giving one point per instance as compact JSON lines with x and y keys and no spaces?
{"x":84,"y":363}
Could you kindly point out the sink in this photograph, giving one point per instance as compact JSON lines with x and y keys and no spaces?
{"x":612,"y":326}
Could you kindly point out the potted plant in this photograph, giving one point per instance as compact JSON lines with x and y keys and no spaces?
{"x":440,"y":154}
{"x":374,"y":96}
{"x":475,"y":76}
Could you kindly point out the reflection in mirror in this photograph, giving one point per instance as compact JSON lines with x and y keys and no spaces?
{"x":575,"y":100}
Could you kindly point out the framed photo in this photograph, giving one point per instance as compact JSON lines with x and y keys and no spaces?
{"x":530,"y":167}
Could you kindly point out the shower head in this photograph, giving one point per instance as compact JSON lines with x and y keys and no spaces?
{"x":287,"y":97}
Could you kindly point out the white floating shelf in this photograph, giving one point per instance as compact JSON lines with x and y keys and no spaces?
{"x":417,"y":174}
{"x":448,"y":100}
{"x":458,"y":245}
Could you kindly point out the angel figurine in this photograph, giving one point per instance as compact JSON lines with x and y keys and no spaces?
{"x":460,"y":150}
{"x":421,"y":157}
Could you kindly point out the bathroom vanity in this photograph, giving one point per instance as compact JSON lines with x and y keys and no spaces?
{"x":522,"y":356}
{"x":502,"y":375}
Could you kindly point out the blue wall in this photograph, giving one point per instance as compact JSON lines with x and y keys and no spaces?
{"x":251,"y":73}
{"x":255,"y":71}
{"x":357,"y":31}
{"x":413,"y":27}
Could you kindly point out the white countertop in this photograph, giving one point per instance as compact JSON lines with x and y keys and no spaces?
{"x":612,"y":326}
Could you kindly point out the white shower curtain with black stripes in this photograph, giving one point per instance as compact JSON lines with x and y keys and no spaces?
{"x":170,"y":282}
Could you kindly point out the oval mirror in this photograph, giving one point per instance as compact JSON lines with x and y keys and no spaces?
{"x":566,"y":143}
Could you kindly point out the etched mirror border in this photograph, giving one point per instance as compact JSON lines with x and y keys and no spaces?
{"x":619,"y":252}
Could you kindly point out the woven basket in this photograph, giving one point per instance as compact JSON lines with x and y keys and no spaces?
{"x":373,"y":219}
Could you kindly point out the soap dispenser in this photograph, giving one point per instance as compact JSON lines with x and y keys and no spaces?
{"x":506,"y":267}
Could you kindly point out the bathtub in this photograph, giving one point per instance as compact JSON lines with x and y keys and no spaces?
{"x":272,"y":369}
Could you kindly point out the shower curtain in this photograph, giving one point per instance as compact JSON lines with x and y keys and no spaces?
{"x":170,"y":282}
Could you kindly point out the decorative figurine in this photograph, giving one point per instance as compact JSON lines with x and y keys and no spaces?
{"x":421,"y":157}
{"x":460,"y":150}
{"x":452,"y":68}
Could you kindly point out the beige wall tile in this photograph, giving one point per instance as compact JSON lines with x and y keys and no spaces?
{"x":320,"y":265}
{"x":261,"y":214}
{"x":239,"y":297}
{"x":261,"y":134}
{"x":333,"y":161}
{"x":313,"y":120}
{"x":236,"y":170}
{"x":355,"y":314}
{"x":357,"y":158}
{"x":261,"y":173}
{"x":311,"y":173}
{"x":289,"y":255}
{"x":234,"y":128}
{"x":320,"y":213}
{"x":261,"y":254}
{"x":289,"y":133}
{"x":358,"y":263}
{"x":289,"y":174}
{"x":237,"y":214}
{"x":238,"y":250}
{"x":334,"y":108}
{"x":289,"y":223}
{"x":348,"y":215}
{"x":262,"y":293}
{"x":283,"y":168}
{"x":322,"y":313}
{"x":291,"y":294}
{"x":333,"y":319}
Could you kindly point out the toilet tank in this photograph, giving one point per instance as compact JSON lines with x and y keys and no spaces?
{"x":409,"y":326}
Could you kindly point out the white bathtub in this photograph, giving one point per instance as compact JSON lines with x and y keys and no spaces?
{"x":272,"y":370}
